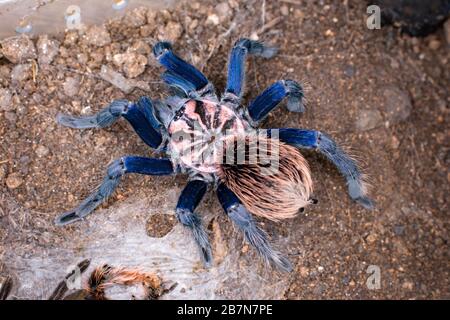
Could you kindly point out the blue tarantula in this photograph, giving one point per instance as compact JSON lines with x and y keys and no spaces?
{"x":213,"y":141}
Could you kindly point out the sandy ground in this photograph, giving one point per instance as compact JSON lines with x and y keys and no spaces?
{"x":381,"y":94}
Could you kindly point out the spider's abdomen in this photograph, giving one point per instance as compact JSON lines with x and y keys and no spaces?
{"x":198,"y":131}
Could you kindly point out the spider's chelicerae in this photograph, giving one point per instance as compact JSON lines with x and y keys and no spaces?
{"x":216,"y":142}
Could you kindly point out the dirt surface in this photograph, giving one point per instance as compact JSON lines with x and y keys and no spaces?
{"x":381,"y":94}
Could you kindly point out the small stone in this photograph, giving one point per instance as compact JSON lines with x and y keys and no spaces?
{"x":146,"y":30}
{"x":119,"y":81}
{"x":140,"y":47}
{"x":171,"y":32}
{"x":349,"y":70}
{"x":395,"y":143}
{"x":71,"y":86}
{"x":371,"y":238}
{"x":14,"y":180}
{"x":223,"y":11}
{"x":47,"y":50}
{"x":5,"y":99}
{"x":408,"y":285}
{"x":434,"y":44}
{"x":42,"y":151}
{"x":368,"y":119}
{"x":284,"y":10}
{"x":329,"y":33}
{"x":133,"y":64}
{"x":11,"y":117}
{"x":98,"y":36}
{"x":213,"y":19}
{"x":136,"y":17}
{"x":304,"y":271}
{"x":21,"y":72}
{"x":18,"y":49}
{"x":397,"y":104}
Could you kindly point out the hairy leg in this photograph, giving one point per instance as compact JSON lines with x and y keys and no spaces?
{"x":115,"y":171}
{"x":253,"y":234}
{"x":236,"y":66}
{"x":180,"y":74}
{"x":139,"y":115}
{"x":312,"y":139}
{"x":189,"y":199}
{"x":273,"y":95}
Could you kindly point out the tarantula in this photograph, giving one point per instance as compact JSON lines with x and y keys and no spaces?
{"x":216,"y":142}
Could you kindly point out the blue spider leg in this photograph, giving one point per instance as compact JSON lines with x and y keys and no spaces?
{"x":273,"y":95}
{"x":236,"y":65}
{"x":253,"y":234}
{"x":138,"y":115}
{"x":119,"y":167}
{"x":181,"y":73}
{"x":189,"y":199}
{"x":312,"y":139}
{"x":178,"y":82}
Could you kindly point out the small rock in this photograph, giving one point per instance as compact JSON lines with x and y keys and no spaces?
{"x":136,"y":17}
{"x":434,"y":44}
{"x":408,"y":285}
{"x":133,"y":64}
{"x":213,"y":19}
{"x":5,"y":99}
{"x":223,"y":11}
{"x":171,"y":32}
{"x":42,"y":151}
{"x":397,"y":104}
{"x":349,"y":70}
{"x":329,"y":33}
{"x":368,"y":119}
{"x":140,"y":47}
{"x":18,"y":49}
{"x":21,"y":72}
{"x":395,"y":143}
{"x":284,"y":10}
{"x":14,"y":180}
{"x":71,"y":86}
{"x":119,"y":81}
{"x":47,"y":50}
{"x":98,"y":36}
{"x":371,"y":238}
{"x":146,"y":30}
{"x":304,"y":271}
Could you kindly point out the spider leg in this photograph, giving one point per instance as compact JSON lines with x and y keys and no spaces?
{"x":189,"y":199}
{"x":139,"y":115}
{"x":253,"y":234}
{"x":236,"y":66}
{"x":312,"y":139}
{"x":119,"y":167}
{"x":273,"y":95}
{"x":182,"y":75}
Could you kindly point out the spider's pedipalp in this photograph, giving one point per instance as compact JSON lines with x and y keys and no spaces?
{"x":263,"y":104}
{"x":311,"y":139}
{"x":139,"y":115}
{"x":236,"y":64}
{"x":189,"y":199}
{"x":115,"y":171}
{"x":253,"y":234}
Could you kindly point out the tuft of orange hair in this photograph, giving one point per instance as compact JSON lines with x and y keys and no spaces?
{"x":106,"y":276}
{"x":275,"y":184}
